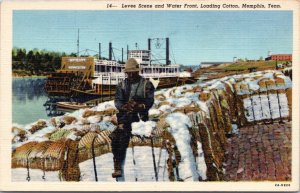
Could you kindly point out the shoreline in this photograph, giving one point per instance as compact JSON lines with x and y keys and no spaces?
{"x":33,"y":76}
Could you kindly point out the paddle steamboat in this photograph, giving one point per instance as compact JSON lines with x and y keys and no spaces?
{"x":83,"y":79}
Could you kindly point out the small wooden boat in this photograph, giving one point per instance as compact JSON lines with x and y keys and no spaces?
{"x":72,"y":106}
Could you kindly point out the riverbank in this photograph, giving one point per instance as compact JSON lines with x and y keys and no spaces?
{"x":28,"y":74}
{"x":33,"y":76}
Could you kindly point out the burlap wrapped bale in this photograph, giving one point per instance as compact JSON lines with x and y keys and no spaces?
{"x":163,"y":103}
{"x":102,"y":144}
{"x":88,"y":113}
{"x":53,"y":122}
{"x":87,"y":139}
{"x":54,"y":155}
{"x":160,"y":97}
{"x":106,"y":112}
{"x":70,"y":170}
{"x":225,"y":109}
{"x":20,"y":155}
{"x":20,"y":134}
{"x":213,"y":153}
{"x":242,"y":111}
{"x":230,"y":97}
{"x":38,"y":126}
{"x":172,"y":152}
{"x":289,"y":97}
{"x":187,"y":109}
{"x":262,"y":84}
{"x":69,"y":119}
{"x":59,"y":134}
{"x":241,"y":119}
{"x":194,"y":133}
{"x":197,"y":89}
{"x":219,"y":124}
{"x":270,"y":84}
{"x":204,"y":96}
{"x":36,"y":154}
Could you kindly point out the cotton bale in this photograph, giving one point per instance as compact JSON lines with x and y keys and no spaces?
{"x":262,"y":84}
{"x":226,"y":111}
{"x":270,"y":84}
{"x":87,"y":140}
{"x":160,"y":97}
{"x":110,"y":111}
{"x":187,"y":109}
{"x":197,"y":89}
{"x":289,"y":98}
{"x":20,"y":134}
{"x":88,"y":113}
{"x":20,"y":155}
{"x":59,"y":134}
{"x":36,"y":154}
{"x":55,"y":150}
{"x":164,"y":103}
{"x":69,"y":119}
{"x":204,"y":96}
{"x":53,"y":122}
{"x":213,"y":153}
{"x":38,"y":126}
{"x":70,"y":170}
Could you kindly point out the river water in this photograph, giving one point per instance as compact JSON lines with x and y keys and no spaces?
{"x":28,"y":99}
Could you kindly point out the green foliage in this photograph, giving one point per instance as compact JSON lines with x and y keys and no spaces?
{"x":59,"y":134}
{"x":35,"y":62}
{"x":261,"y":65}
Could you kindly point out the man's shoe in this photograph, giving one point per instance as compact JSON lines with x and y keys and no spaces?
{"x":117,"y":173}
{"x":118,"y":169}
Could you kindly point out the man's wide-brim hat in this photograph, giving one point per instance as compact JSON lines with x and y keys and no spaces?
{"x":132,"y":66}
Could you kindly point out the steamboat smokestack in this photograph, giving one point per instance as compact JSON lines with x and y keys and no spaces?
{"x":127,"y":51}
{"x":99,"y":51}
{"x":167,"y":51}
{"x":110,"y":51}
{"x":149,"y":44}
{"x":122,"y":55}
{"x":78,"y":43}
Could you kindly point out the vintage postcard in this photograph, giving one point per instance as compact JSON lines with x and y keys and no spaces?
{"x":160,"y":95}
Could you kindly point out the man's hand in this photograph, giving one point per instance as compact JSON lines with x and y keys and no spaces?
{"x":140,"y":106}
{"x":121,"y":126}
{"x":132,"y":105}
{"x":128,"y":107}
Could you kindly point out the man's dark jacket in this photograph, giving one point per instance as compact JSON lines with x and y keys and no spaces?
{"x":143,"y":94}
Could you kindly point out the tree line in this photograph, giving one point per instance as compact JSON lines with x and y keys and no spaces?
{"x":36,"y":62}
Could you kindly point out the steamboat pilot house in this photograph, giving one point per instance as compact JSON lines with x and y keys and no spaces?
{"x":148,"y":70}
{"x":107,"y":74}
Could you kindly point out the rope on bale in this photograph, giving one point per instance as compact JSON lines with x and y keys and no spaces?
{"x":278,"y":102}
{"x":261,"y":106}
{"x":159,"y":156}
{"x":27,"y":167}
{"x":252,"y":105}
{"x":165,"y":166}
{"x":43,"y":176}
{"x":153,"y":157}
{"x":94,"y":160}
{"x":271,"y":113}
{"x":133,"y":159}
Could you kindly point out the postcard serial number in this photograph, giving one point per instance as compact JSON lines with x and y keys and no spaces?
{"x":282,"y":185}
